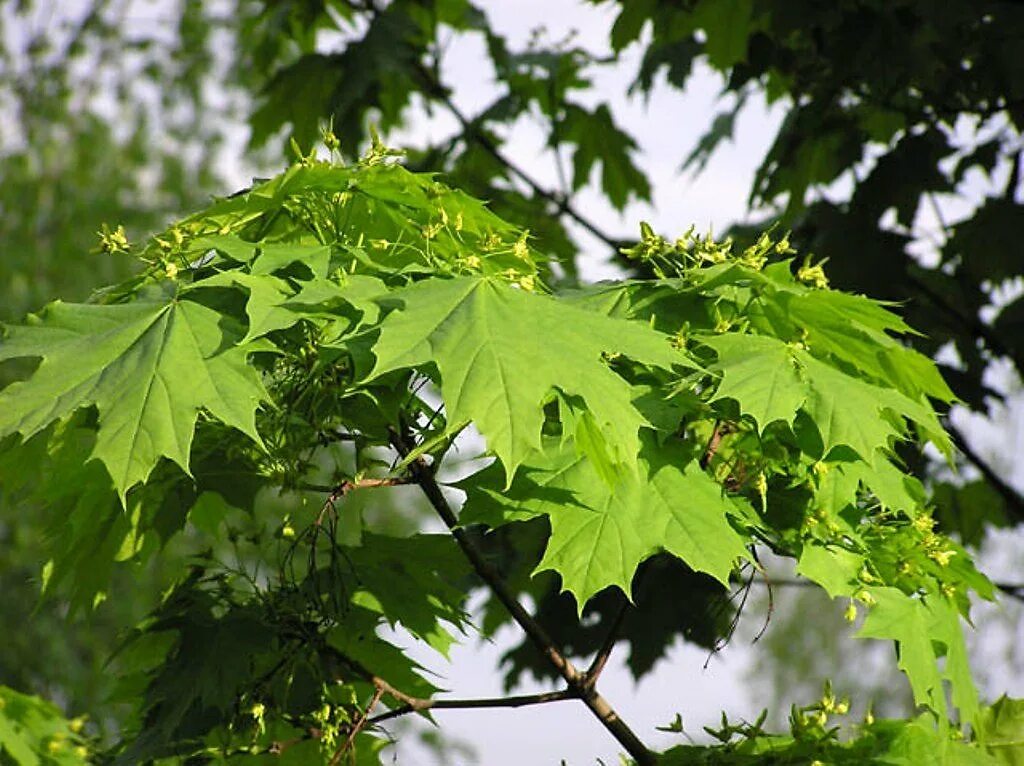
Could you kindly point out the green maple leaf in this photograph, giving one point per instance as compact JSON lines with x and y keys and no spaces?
{"x":898,"y":617}
{"x":771,"y":381}
{"x":856,"y":330}
{"x":925,"y":630}
{"x":863,"y":416}
{"x":502,"y":351}
{"x":760,"y":373}
{"x":835,"y":569}
{"x":599,"y":140}
{"x":274,"y":304}
{"x":600,"y":534}
{"x":148,"y":366}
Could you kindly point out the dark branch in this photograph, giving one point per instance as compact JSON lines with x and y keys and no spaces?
{"x":971,"y":324}
{"x":1013,"y":499}
{"x":603,"y":653}
{"x":420,"y":705}
{"x":471,"y":129}
{"x":576,"y":680}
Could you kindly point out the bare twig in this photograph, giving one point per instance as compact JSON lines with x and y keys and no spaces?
{"x":1014,"y":590}
{"x":419,"y":706}
{"x":605,"y":651}
{"x":362,"y":722}
{"x":486,"y":570}
{"x":471,"y":129}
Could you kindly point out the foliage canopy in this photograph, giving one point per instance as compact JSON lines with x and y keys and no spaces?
{"x":345,"y":330}
{"x":908,"y":107}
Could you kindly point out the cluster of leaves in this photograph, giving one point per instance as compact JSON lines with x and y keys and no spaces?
{"x":99,"y":110}
{"x":340,"y":331}
{"x":866,"y":103}
{"x":812,"y":739}
{"x":34,"y":733}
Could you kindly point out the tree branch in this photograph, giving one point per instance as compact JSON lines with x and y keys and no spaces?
{"x":1014,"y":590}
{"x":420,"y":705}
{"x":605,"y":651}
{"x":471,"y":130}
{"x":713,"y":442}
{"x":576,"y":680}
{"x":971,"y":324}
{"x":1013,"y":499}
{"x":358,"y":727}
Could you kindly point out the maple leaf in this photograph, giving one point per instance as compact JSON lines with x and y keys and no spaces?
{"x":770,"y":380}
{"x":863,"y":416}
{"x":600,"y":534}
{"x":760,"y":373}
{"x":502,"y":351}
{"x":906,"y":620}
{"x":148,"y":366}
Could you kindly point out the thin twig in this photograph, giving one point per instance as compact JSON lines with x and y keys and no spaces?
{"x":469,"y":704}
{"x":470,"y":129}
{"x":1014,"y":590}
{"x":759,"y":567}
{"x":709,"y":452}
{"x":486,"y":570}
{"x":362,"y":722}
{"x":605,"y":651}
{"x":346,"y":486}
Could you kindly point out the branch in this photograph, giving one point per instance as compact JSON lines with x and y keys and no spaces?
{"x":577,"y":681}
{"x":972,"y":324}
{"x":1014,"y":590}
{"x":411,"y":704}
{"x":470,"y":129}
{"x":1013,"y":499}
{"x":358,"y":727}
{"x":713,"y":442}
{"x":421,"y":705}
{"x":605,"y":651}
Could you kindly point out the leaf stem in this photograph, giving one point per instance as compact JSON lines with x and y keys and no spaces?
{"x":577,"y":681}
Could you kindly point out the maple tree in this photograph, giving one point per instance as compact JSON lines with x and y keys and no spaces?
{"x":355,"y":331}
{"x":898,"y":120}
